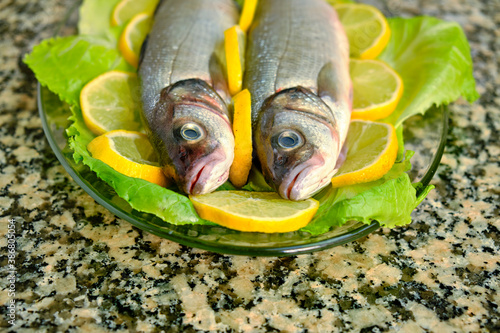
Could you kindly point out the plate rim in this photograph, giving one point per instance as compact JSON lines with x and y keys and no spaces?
{"x":286,"y":250}
{"x":265,"y":251}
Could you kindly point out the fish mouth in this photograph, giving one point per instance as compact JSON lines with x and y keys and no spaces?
{"x":307,"y":179}
{"x":207,"y":174}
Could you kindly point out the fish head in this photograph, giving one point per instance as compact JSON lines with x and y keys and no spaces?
{"x":194,"y":140}
{"x":201,"y":149}
{"x":296,"y":143}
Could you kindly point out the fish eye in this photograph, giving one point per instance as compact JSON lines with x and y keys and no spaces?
{"x":290,"y":139}
{"x":191,"y":132}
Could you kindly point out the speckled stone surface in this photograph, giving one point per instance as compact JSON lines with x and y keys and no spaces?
{"x":79,"y":268}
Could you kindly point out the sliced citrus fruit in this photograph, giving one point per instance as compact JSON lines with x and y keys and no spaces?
{"x":129,"y":153}
{"x":338,"y":2}
{"x":371,"y":152}
{"x":242,"y":129}
{"x":247,"y":14}
{"x":111,"y":101}
{"x":133,"y":36}
{"x":234,"y":43}
{"x":377,"y":89}
{"x":366,"y":28}
{"x":254,"y":211}
{"x":126,"y":9}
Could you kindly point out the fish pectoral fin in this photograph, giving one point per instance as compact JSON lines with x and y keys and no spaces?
{"x":219,"y":79}
{"x":329,"y":84}
{"x":335,"y":87}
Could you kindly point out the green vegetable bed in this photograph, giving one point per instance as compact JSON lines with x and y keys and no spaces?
{"x":432,"y":56}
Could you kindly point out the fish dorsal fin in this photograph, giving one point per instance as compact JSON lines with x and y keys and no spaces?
{"x":219,"y":80}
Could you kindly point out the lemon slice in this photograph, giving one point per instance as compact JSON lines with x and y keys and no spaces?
{"x":254,"y":211}
{"x":111,"y":101}
{"x":129,"y":153}
{"x":242,"y":129}
{"x":133,"y":36}
{"x":234,"y":44}
{"x":372,"y":150}
{"x":366,"y":28}
{"x":126,"y":9}
{"x":247,"y":14}
{"x":377,"y":89}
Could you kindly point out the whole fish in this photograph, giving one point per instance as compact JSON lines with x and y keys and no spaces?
{"x":184,"y":92}
{"x":298,"y":74}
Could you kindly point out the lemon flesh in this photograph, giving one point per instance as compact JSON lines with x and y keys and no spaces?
{"x":242,"y":129}
{"x":133,"y":36}
{"x":127,"y":9}
{"x":234,"y":43}
{"x":135,"y":148}
{"x":366,"y":28}
{"x":371,"y":152}
{"x":247,"y":14}
{"x":111,"y":101}
{"x":377,"y":89}
{"x":254,"y":211}
{"x":129,"y":153}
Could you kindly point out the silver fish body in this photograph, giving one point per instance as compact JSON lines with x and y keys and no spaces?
{"x":298,"y":74}
{"x":184,"y":92}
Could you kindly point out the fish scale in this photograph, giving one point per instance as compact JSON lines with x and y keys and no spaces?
{"x":298,"y":65}
{"x":297,"y":71}
{"x":276,"y":61}
{"x":184,"y":92}
{"x":180,"y":46}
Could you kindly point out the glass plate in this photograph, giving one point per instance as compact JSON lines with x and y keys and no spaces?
{"x":424,"y":135}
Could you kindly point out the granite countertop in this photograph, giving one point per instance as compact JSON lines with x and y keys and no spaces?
{"x":80,"y":268}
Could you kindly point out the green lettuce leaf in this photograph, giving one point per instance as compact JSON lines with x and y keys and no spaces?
{"x":390,"y":204}
{"x":401,"y":143}
{"x":433,"y":59}
{"x":66,"y":64}
{"x":365,"y":199}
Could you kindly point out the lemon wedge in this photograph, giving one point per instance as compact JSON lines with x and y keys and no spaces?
{"x":254,"y":211}
{"x":371,"y":152}
{"x":377,"y":89}
{"x":126,"y":9}
{"x":129,"y":153}
{"x":234,"y":43}
{"x":366,"y":28}
{"x":242,"y":129}
{"x":111,"y":101}
{"x":133,"y":36}
{"x":247,"y":14}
